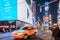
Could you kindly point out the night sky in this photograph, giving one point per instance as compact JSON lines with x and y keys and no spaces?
{"x":52,"y":9}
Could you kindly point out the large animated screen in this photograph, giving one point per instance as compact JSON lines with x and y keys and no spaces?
{"x":8,"y":10}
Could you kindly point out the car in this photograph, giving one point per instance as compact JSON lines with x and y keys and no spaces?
{"x":24,"y":32}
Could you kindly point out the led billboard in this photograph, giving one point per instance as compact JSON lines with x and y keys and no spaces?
{"x":8,"y":10}
{"x":15,"y":10}
{"x":24,"y":11}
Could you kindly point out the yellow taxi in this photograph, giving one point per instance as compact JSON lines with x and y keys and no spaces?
{"x":24,"y":32}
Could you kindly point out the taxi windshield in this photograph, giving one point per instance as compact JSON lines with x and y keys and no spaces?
{"x":22,"y":28}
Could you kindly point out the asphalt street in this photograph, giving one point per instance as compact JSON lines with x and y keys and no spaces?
{"x":41,"y":35}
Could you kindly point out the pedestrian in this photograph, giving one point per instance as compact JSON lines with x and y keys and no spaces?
{"x":10,"y":29}
{"x":56,"y":32}
{"x":3,"y":29}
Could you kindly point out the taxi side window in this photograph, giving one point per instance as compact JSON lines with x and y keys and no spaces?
{"x":22,"y":28}
{"x":26,"y":27}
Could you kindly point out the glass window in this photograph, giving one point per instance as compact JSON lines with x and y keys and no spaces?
{"x":22,"y":28}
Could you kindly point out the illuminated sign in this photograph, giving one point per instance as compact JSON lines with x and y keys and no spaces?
{"x":45,"y":19}
{"x":58,"y":17}
{"x":8,"y":10}
{"x":34,"y":7}
{"x":50,"y":17}
{"x":15,"y":10}
{"x":24,"y":11}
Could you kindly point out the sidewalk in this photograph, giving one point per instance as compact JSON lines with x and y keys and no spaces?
{"x":4,"y":35}
{"x":44,"y":34}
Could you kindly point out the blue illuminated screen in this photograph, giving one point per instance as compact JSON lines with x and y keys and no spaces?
{"x":8,"y":10}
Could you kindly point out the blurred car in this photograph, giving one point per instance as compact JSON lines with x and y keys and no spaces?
{"x":24,"y":32}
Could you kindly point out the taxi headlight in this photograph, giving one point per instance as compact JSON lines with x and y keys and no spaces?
{"x":14,"y":33}
{"x":20,"y":33}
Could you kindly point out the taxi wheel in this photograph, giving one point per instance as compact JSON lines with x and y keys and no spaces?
{"x":34,"y":35}
{"x":17,"y":39}
{"x":25,"y":37}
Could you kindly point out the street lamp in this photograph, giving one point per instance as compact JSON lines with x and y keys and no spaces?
{"x":46,"y":8}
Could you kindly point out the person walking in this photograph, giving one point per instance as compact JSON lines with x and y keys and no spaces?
{"x":56,"y":32}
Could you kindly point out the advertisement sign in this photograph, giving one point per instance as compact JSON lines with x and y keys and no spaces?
{"x":15,"y":10}
{"x":4,"y":26}
{"x":45,"y":18}
{"x":58,"y":17}
{"x":24,"y":11}
{"x":50,"y":17}
{"x":8,"y":10}
{"x":34,"y":7}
